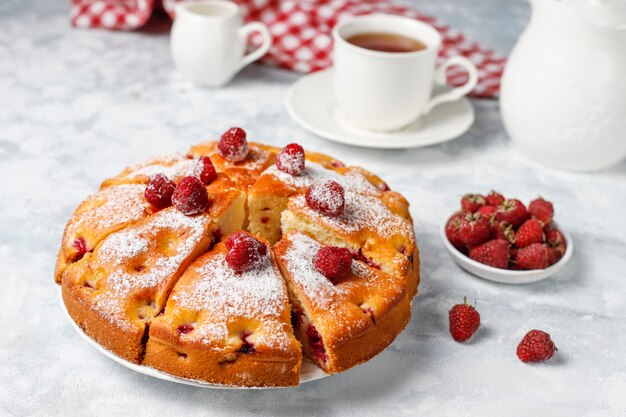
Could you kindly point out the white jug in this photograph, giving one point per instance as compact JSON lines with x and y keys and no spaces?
{"x":563,"y":93}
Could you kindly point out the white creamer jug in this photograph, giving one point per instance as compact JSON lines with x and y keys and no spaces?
{"x":563,"y":93}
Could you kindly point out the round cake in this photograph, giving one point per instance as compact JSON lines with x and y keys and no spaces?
{"x":231,"y":263}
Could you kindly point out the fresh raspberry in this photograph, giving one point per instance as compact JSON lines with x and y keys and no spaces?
{"x":290,"y":159}
{"x":464,"y":321}
{"x":541,"y":210}
{"x":244,"y":252}
{"x":159,"y":191}
{"x":190,"y":197}
{"x":204,"y":169}
{"x":453,"y":230}
{"x":502,"y":230}
{"x":333,"y":262}
{"x":553,"y":255}
{"x":493,"y":253}
{"x":472,"y":202}
{"x":536,"y":346}
{"x":326,"y":198}
{"x":556,"y":241}
{"x":81,"y":249}
{"x":475,"y":230}
{"x":512,"y":211}
{"x":494,"y":198}
{"x":528,"y":233}
{"x":233,"y":145}
{"x":487,"y":211}
{"x":534,"y":256}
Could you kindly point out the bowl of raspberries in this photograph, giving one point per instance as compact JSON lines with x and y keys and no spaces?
{"x":503,"y":240}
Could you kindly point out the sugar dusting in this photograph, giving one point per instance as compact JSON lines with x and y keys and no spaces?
{"x":299,"y":262}
{"x":257,"y":295}
{"x":111,"y":207}
{"x":361,"y":212}
{"x":315,"y":173}
{"x":118,"y":252}
{"x":180,"y":169}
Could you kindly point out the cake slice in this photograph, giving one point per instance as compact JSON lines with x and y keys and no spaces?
{"x":378,"y":231}
{"x":268,"y":197}
{"x":344,"y":323}
{"x":226,"y":327}
{"x":114,"y":292}
{"x":109,"y":210}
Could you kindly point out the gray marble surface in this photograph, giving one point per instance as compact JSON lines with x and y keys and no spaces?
{"x":77,"y":106}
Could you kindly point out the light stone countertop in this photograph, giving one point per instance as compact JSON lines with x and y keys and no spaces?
{"x":78,"y":106}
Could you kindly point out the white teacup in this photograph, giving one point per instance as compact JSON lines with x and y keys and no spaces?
{"x":386,"y":91}
{"x":208,"y":41}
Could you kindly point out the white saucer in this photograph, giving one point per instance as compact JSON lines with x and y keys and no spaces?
{"x":310,"y":102}
{"x":308,"y":372}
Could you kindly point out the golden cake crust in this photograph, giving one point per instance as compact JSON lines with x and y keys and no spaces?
{"x":123,"y":282}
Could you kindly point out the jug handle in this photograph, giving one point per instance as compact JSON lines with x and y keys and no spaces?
{"x":245,"y":31}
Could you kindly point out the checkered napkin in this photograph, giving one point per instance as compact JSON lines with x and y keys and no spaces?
{"x":301,"y":31}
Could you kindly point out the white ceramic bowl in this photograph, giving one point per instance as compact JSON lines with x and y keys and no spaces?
{"x":506,"y":276}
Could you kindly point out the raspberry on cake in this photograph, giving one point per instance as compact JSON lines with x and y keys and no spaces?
{"x":344,"y":324}
{"x":236,"y":326}
{"x":159,"y":191}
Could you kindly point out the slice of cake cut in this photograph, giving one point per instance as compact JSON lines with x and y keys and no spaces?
{"x":245,"y":172}
{"x":227,"y":327}
{"x":115,"y":292}
{"x":109,"y":210}
{"x":268,"y":197}
{"x":347,"y":322}
{"x":175,"y":167}
{"x":378,"y":231}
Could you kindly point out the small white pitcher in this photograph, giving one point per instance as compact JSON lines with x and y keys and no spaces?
{"x":563,"y":96}
{"x":208,"y":41}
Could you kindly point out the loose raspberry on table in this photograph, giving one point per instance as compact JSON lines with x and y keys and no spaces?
{"x":464,"y":321}
{"x":204,"y":169}
{"x":233,"y":145}
{"x":327,"y":198}
{"x":333,"y":262}
{"x":159,"y":191}
{"x":290,"y":159}
{"x":190,"y":197}
{"x":536,"y":346}
{"x":244,"y":252}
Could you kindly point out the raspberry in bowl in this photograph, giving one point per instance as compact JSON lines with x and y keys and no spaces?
{"x":524,"y":244}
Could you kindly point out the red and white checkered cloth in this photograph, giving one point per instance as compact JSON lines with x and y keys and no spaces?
{"x":301,"y":31}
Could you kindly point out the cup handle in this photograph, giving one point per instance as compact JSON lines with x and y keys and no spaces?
{"x":245,"y":31}
{"x":457,"y":92}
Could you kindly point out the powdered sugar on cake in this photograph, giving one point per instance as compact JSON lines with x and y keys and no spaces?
{"x":315,"y":173}
{"x":299,"y":263}
{"x":362,"y":212}
{"x":180,"y":169}
{"x":122,"y":252}
{"x":256,"y":295}
{"x":112,"y":207}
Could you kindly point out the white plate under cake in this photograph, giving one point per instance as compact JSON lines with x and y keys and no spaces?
{"x":233,"y":262}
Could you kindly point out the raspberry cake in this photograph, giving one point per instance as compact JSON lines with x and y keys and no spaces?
{"x":231,"y":262}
